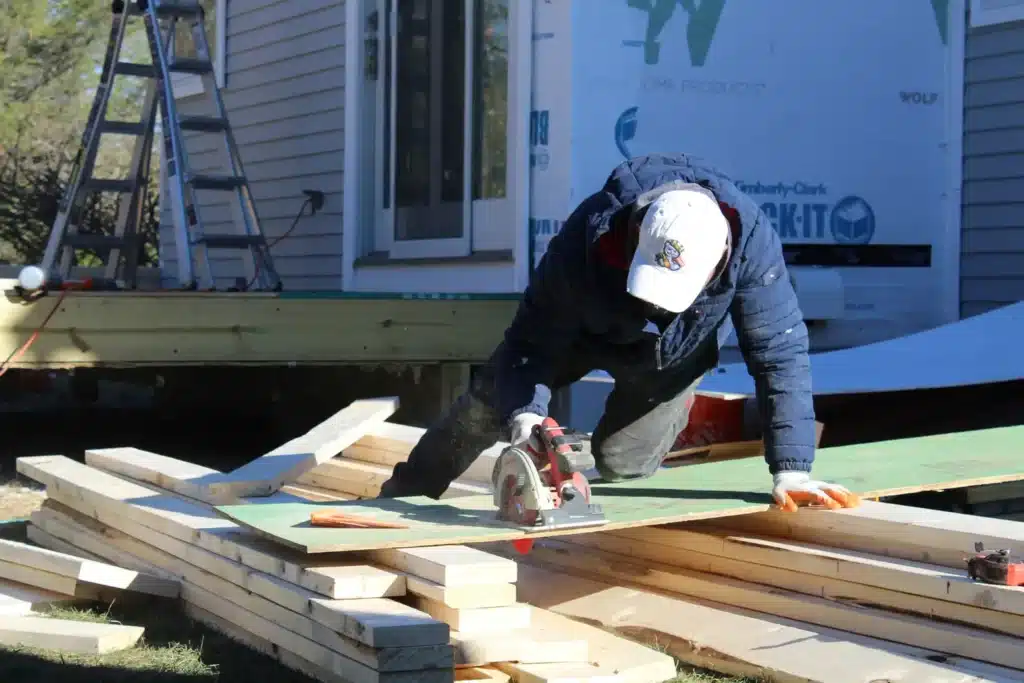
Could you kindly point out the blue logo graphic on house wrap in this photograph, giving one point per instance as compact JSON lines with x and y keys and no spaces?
{"x":540,"y":121}
{"x":625,"y":130}
{"x":852,"y":221}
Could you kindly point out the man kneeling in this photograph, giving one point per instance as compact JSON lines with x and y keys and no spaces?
{"x":646,"y":280}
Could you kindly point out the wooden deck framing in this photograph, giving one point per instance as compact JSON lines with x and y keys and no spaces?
{"x":170,"y":328}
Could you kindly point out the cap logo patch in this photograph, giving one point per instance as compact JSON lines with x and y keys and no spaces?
{"x":670,"y":256}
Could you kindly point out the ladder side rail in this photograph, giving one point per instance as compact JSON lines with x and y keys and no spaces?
{"x":259,"y":264}
{"x":171,"y":149}
{"x":71,"y":200}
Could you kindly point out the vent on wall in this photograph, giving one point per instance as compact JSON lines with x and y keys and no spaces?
{"x":989,"y":12}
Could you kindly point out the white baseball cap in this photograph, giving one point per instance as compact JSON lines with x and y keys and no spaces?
{"x":683,"y":237}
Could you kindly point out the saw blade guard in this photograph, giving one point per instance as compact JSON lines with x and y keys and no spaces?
{"x":519,"y":491}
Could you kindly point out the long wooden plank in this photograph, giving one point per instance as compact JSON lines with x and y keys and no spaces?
{"x":612,"y":659}
{"x":80,"y":637}
{"x":787,"y":575}
{"x":286,"y":463}
{"x":18,"y":599}
{"x":743,"y":643}
{"x":365,"y":479}
{"x":54,"y":583}
{"x":86,"y":570}
{"x":389,"y":443}
{"x":672,"y":495}
{"x":931,"y":536}
{"x":542,"y":643}
{"x":176,"y":476}
{"x":263,"y":476}
{"x":915,"y":578}
{"x":920,"y":632}
{"x":83,"y":487}
{"x":482,"y":595}
{"x":51,"y":530}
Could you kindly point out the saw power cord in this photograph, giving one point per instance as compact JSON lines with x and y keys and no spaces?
{"x":315,"y":201}
{"x":20,"y":351}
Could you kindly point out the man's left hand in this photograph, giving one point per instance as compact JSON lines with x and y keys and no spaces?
{"x":793,"y":489}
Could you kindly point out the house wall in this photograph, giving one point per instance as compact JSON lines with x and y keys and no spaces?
{"x":284,"y":91}
{"x":992,"y":255}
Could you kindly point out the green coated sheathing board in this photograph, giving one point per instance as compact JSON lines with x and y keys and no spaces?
{"x":672,"y":495}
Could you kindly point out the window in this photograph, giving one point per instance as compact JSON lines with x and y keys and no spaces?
{"x":988,"y":12}
{"x":442,"y":129}
{"x":187,"y":85}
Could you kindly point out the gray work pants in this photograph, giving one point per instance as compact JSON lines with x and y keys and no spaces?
{"x":639,"y":427}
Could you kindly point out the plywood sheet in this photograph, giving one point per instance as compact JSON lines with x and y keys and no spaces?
{"x":979,"y":350}
{"x":672,"y":495}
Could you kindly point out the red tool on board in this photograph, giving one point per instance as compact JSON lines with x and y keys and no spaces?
{"x":541,"y":485}
{"x":996,"y":567}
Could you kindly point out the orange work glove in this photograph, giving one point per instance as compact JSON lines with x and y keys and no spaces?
{"x":794,"y":489}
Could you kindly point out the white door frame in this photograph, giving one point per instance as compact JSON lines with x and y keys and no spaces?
{"x":948,"y":262}
{"x":365,"y":225}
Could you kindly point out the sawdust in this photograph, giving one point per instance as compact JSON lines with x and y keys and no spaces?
{"x":18,"y":500}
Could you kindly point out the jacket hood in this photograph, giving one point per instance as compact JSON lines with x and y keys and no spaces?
{"x":635,"y":183}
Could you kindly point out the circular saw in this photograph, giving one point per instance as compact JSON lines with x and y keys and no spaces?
{"x":540,"y":484}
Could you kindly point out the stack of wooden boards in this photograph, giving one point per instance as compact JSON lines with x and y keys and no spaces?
{"x":394,"y":615}
{"x":33,"y":579}
{"x":877,"y":593}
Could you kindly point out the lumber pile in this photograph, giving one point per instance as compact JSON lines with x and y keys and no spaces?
{"x":361,"y":469}
{"x":788,"y":596}
{"x":426,"y":614}
{"x":879,"y":593}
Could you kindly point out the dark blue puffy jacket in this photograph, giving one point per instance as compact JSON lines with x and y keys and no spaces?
{"x":576,"y":305}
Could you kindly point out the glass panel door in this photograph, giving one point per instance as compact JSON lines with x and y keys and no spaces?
{"x":442,"y":136}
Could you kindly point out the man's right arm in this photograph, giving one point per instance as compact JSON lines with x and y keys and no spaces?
{"x":545,"y":326}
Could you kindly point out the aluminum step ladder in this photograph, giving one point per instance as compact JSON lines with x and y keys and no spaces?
{"x":161,"y":18}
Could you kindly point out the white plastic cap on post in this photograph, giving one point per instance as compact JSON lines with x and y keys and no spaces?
{"x":31,"y":278}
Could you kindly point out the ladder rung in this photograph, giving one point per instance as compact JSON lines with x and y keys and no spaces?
{"x":187,"y":65}
{"x":132,"y":69}
{"x":216,"y":182}
{"x":206,"y":124}
{"x":231,"y":241}
{"x":123,"y":127}
{"x":86,"y":241}
{"x":109,"y":185}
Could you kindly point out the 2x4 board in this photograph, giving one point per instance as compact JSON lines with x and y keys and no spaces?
{"x":672,"y":495}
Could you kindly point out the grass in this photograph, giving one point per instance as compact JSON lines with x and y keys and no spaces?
{"x":175,"y":649}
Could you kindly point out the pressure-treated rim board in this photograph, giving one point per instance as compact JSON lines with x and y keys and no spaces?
{"x":672,"y":495}
{"x":979,"y":350}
